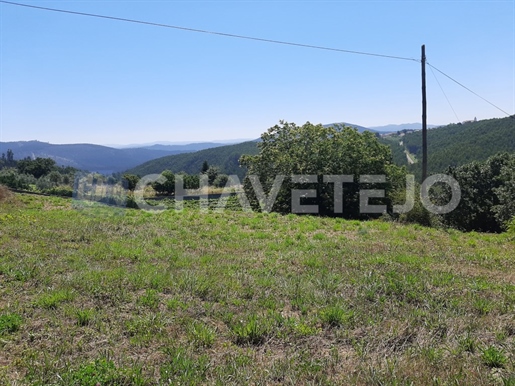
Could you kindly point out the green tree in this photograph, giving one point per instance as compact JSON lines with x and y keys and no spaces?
{"x":55,"y":177}
{"x":205,"y":167}
{"x":130,"y":181}
{"x":10,"y":158}
{"x":166,"y":187}
{"x":487,"y":194}
{"x":190,"y":181}
{"x":10,"y":177}
{"x":221,"y":180}
{"x":287,"y":149}
{"x":212,"y":173}
{"x":37,"y":168}
{"x":505,"y":210}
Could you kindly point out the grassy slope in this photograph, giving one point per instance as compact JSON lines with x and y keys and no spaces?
{"x":245,"y":298}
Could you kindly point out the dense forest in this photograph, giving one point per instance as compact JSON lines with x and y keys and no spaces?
{"x":226,"y":158}
{"x":455,"y":144}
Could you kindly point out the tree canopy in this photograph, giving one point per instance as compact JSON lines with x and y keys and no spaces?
{"x":314,"y":150}
{"x":487,"y":194}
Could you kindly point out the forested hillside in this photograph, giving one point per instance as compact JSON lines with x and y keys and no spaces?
{"x":455,"y":144}
{"x":225,"y":157}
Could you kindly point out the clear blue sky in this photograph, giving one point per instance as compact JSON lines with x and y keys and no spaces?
{"x":67,"y":78}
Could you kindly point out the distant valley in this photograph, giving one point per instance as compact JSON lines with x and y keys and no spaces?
{"x":97,"y":158}
{"x":450,"y":145}
{"x":453,"y":144}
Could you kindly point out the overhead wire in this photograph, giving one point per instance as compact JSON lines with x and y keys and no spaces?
{"x":254,"y":39}
{"x":466,"y":88}
{"x":444,"y":94}
{"x":208,"y":32}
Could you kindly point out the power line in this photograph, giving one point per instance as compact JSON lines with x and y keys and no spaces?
{"x":468,"y":89}
{"x":444,"y":94}
{"x":208,"y":32}
{"x":254,"y":39}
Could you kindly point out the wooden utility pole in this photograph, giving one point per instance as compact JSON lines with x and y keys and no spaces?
{"x":424,"y":116}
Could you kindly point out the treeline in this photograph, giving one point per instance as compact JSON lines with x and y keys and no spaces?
{"x":166,"y":184}
{"x":45,"y":176}
{"x":322,"y":161}
{"x":40,"y":174}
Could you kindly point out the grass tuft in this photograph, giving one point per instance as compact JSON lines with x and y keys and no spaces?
{"x":253,"y":331}
{"x":336,"y":316}
{"x":9,"y":323}
{"x":493,"y":357}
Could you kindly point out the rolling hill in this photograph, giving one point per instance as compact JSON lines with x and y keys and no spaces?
{"x":451,"y":145}
{"x":95,"y":158}
{"x":455,"y":144}
{"x":225,"y":157}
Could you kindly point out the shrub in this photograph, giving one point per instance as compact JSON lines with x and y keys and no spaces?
{"x":15,"y":180}
{"x":44,"y":184}
{"x":64,"y":191}
{"x":487,"y":190}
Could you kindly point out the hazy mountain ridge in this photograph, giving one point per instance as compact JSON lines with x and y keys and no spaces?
{"x":139,"y":159}
{"x":399,"y":127}
{"x":183,"y":148}
{"x":90,"y":157}
{"x":450,"y":145}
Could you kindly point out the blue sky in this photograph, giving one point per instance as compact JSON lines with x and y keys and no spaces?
{"x":67,"y":78}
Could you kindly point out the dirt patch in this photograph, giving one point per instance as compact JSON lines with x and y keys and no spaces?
{"x":5,"y":193}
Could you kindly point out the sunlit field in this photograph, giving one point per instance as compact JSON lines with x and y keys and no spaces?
{"x":111,"y":296}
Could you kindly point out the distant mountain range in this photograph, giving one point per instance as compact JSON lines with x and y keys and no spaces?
{"x":449,"y":145}
{"x":182,"y":145}
{"x":95,"y":158}
{"x":403,"y":126}
{"x":138,"y":157}
{"x":385,"y":129}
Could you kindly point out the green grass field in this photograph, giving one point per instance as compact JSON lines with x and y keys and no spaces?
{"x":126,"y":297}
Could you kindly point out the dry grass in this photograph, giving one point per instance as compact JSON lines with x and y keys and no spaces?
{"x":246,"y":298}
{"x":5,"y":193}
